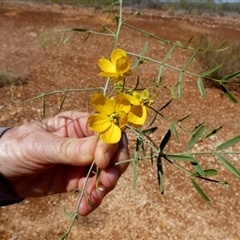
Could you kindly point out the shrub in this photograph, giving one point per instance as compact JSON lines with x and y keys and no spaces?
{"x":7,"y":78}
{"x":228,"y":59}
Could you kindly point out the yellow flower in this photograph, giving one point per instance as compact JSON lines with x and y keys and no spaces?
{"x":140,"y":105}
{"x":111,"y":117}
{"x":144,"y":98}
{"x":118,"y":67}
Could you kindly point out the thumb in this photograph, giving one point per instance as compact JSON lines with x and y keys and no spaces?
{"x":71,"y":151}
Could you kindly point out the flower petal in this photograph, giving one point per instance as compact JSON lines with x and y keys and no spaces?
{"x":137,"y":95}
{"x":132,"y":99}
{"x":123,"y":119}
{"x":121,"y":103}
{"x":123,"y":65}
{"x":108,"y":74}
{"x":99,"y":123}
{"x":116,"y":54}
{"x":138,"y":115}
{"x":112,"y":134}
{"x":106,"y":65}
{"x":145,"y":94}
{"x":102,"y":104}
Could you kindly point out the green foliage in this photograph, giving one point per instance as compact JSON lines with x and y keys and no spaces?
{"x":86,"y":3}
{"x":223,"y":64}
{"x":174,"y":7}
{"x":201,"y":7}
{"x":200,"y":190}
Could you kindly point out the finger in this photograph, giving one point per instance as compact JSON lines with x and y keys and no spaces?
{"x":95,"y":194}
{"x":108,"y":180}
{"x":74,"y":124}
{"x":47,"y":148}
{"x":79,"y":152}
{"x":40,"y":148}
{"x":122,"y":155}
{"x":68,"y":124}
{"x":104,"y":153}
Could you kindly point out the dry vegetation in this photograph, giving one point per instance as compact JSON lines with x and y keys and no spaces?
{"x":125,"y":214}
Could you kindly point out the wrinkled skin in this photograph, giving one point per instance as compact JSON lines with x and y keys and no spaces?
{"x":53,"y":156}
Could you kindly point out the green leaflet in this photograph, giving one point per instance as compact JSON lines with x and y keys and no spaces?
{"x":181,"y":157}
{"x":195,"y":137}
{"x":201,"y":87}
{"x":160,"y":74}
{"x":145,"y":47}
{"x":198,"y":168}
{"x":165,"y":140}
{"x":180,"y":85}
{"x":174,"y":131}
{"x":139,"y":61}
{"x":228,"y":165}
{"x":165,"y":105}
{"x":68,"y":37}
{"x":44,"y":41}
{"x":214,"y":131}
{"x":199,"y":190}
{"x":190,"y":60}
{"x":233,"y":75}
{"x":220,"y":47}
{"x":185,"y":117}
{"x":196,"y":128}
{"x":228,"y":143}
{"x":228,"y":94}
{"x":189,"y":40}
{"x":208,"y":173}
{"x":80,"y":29}
{"x":159,"y":160}
{"x":208,"y":72}
{"x":160,"y":174}
{"x":153,"y":119}
{"x":169,"y":53}
{"x":43,"y":106}
{"x":63,"y":100}
{"x":149,"y":131}
{"x":135,"y":162}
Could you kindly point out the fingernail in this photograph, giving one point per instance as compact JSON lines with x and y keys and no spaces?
{"x":124,"y":142}
{"x":113,"y":175}
{"x":100,"y":192}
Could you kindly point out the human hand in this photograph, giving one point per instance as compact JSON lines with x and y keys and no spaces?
{"x":53,"y":156}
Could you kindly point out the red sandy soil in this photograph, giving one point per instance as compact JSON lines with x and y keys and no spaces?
{"x":125,"y":213}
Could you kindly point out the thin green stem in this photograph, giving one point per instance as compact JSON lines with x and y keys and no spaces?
{"x":150,"y":157}
{"x":83,"y":193}
{"x":210,"y":152}
{"x":172,"y":67}
{"x":147,"y":33}
{"x":142,"y":138}
{"x":108,"y":29}
{"x":170,"y":42}
{"x":51,"y":93}
{"x":164,"y":64}
{"x":102,"y":34}
{"x":119,"y":24}
{"x":106,"y":86}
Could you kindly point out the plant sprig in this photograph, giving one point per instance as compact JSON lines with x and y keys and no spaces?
{"x":116,"y":90}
